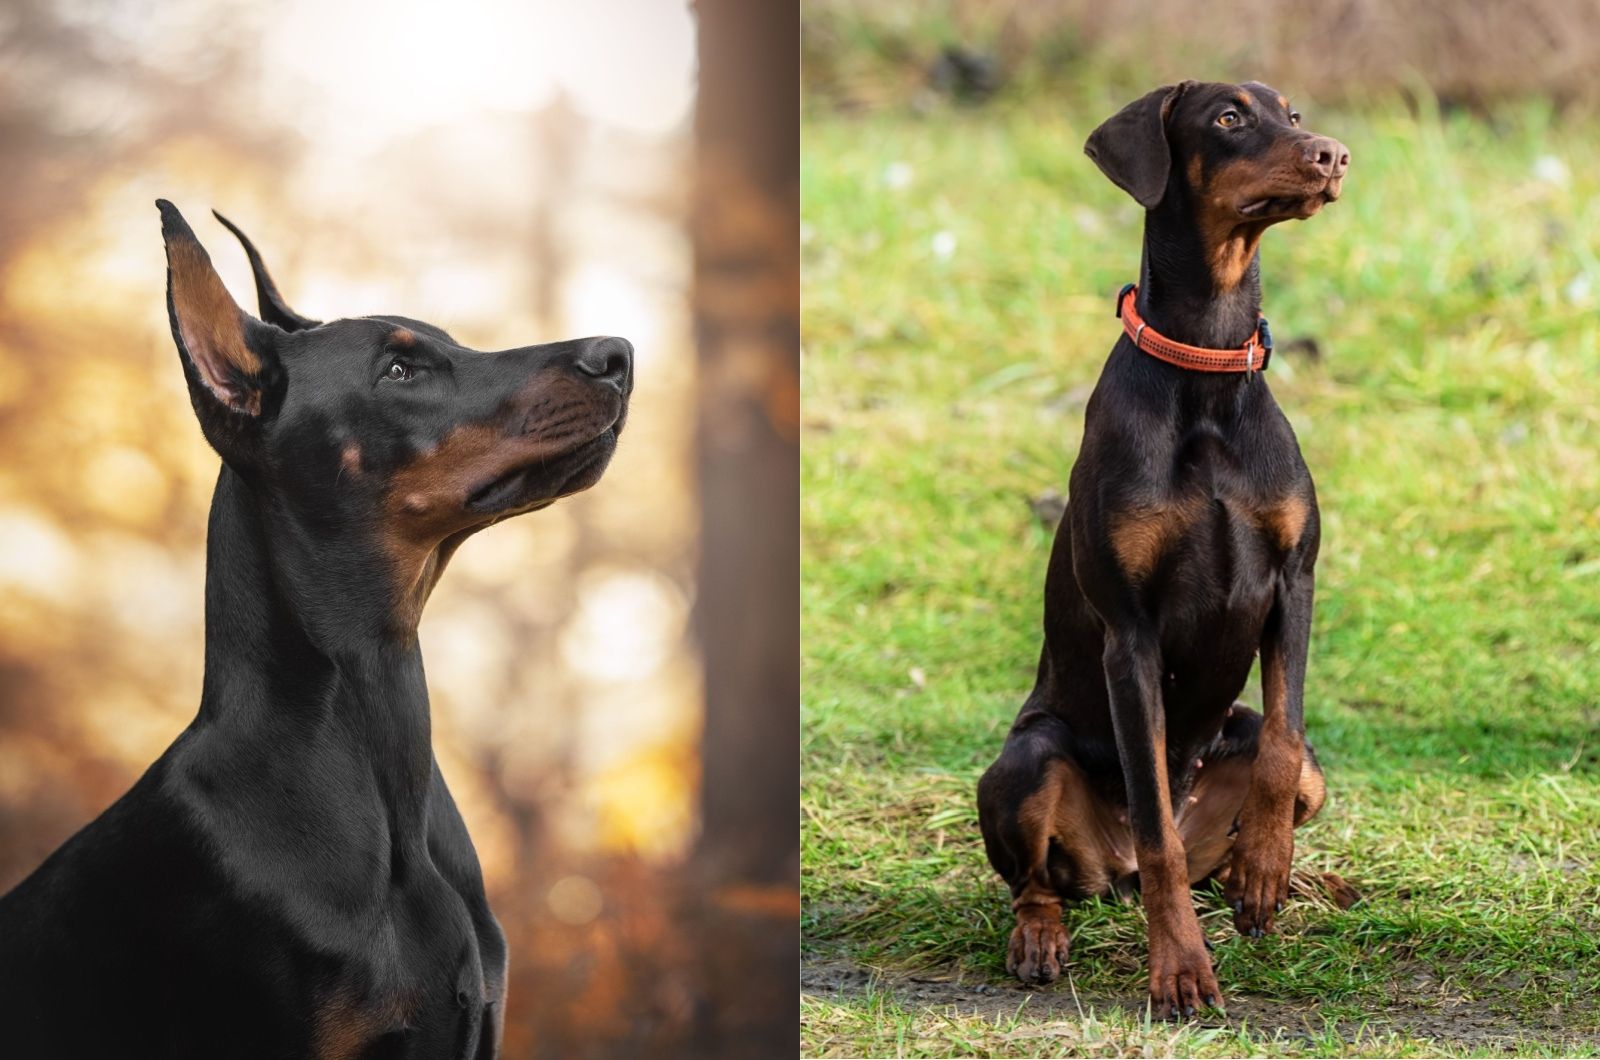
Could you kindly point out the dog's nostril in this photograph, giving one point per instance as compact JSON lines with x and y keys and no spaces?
{"x":1327,"y":156}
{"x":608,"y":358}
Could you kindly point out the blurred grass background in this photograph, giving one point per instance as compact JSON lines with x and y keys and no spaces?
{"x":1439,"y":350}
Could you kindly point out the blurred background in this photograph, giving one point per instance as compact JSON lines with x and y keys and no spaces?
{"x":515,"y":172}
{"x":860,"y":54}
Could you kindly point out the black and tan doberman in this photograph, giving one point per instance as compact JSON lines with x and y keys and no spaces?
{"x":291,"y":877}
{"x":1187,"y":548}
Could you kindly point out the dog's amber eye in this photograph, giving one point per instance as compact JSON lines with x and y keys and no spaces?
{"x":1228,"y":119}
{"x":1294,"y":118}
{"x":398,"y":372}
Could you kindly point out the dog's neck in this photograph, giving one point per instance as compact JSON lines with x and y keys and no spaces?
{"x":301,"y":648}
{"x":1179,"y":294}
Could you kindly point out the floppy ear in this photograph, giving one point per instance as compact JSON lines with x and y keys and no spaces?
{"x":229,"y":357}
{"x":1130,"y":147}
{"x":274,"y":310}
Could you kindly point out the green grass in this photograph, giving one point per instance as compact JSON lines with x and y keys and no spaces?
{"x":1453,"y":426}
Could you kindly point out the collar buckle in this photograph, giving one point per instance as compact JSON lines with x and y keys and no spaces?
{"x":1122,"y":296}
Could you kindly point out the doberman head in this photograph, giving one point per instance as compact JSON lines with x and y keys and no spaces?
{"x":1216,"y":165}
{"x":382,"y":442}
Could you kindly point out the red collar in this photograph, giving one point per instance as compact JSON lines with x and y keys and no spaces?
{"x":1251,"y":357}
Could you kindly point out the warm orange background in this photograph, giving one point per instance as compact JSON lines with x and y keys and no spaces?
{"x":514,"y":172}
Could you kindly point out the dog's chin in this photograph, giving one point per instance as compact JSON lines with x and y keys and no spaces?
{"x":533,"y":486}
{"x":1295,"y":206}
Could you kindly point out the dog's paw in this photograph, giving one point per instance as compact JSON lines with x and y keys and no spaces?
{"x":1038,"y":950}
{"x":1258,"y":881}
{"x":1181,"y":980}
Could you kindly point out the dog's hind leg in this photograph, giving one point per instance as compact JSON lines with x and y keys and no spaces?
{"x":1208,"y":817}
{"x":1050,"y":838}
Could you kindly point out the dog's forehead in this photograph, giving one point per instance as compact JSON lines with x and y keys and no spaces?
{"x":416,"y":327}
{"x":1267,"y":96}
{"x":1251,"y":95}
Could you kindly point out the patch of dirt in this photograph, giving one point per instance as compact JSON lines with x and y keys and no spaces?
{"x":1471,"y":1025}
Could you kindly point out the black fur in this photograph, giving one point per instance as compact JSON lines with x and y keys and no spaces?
{"x":292,"y":876}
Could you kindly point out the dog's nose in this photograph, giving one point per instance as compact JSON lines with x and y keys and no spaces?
{"x":608,"y":358}
{"x":1327,"y":156}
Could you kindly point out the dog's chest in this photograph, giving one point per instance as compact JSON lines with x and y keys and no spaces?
{"x":419,"y":985}
{"x":1208,"y":518}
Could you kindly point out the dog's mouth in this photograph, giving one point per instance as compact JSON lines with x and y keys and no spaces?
{"x":1290,"y":205}
{"x":539,"y":483}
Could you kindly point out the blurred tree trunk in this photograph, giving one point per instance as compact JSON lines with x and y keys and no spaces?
{"x":747,"y":300}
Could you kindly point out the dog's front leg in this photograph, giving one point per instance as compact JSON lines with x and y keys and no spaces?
{"x":1181,"y":979}
{"x":1258,"y":877}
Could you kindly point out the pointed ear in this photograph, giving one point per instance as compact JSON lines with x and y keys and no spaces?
{"x":1130,"y":147}
{"x":229,"y":358}
{"x":274,"y":310}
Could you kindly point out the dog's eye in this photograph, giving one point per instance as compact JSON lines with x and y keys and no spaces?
{"x":1228,"y":119}
{"x":398,"y":372}
{"x":1294,"y":118}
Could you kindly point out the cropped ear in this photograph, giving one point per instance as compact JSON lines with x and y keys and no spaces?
{"x":1130,"y":147}
{"x":229,"y":357}
{"x":274,"y":310}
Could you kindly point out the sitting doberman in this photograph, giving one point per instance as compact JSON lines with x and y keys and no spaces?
{"x":291,"y":877}
{"x":1187,"y":548}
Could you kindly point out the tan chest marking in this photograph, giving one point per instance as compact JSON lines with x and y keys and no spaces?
{"x":1141,"y":536}
{"x":344,"y":1028}
{"x":1284,"y":522}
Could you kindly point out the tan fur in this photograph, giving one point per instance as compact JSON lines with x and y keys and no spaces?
{"x":1229,"y":245}
{"x":1141,"y":536}
{"x":1205,"y":818}
{"x":427,"y":502}
{"x":1312,"y":794}
{"x":402,"y":337}
{"x":345,"y":1027}
{"x":1231,"y":242}
{"x":1065,"y":810}
{"x":1280,"y":753}
{"x":211,"y":324}
{"x":1285,"y":522}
